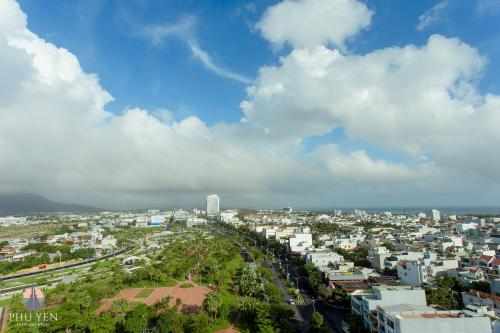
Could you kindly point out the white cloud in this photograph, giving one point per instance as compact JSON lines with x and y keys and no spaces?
{"x":308,"y":23}
{"x":184,"y":29}
{"x":433,"y":15}
{"x":57,"y":138}
{"x":414,"y":100}
{"x":53,"y":123}
{"x":208,"y":62}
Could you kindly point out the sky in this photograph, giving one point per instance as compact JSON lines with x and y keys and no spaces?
{"x":304,"y":103}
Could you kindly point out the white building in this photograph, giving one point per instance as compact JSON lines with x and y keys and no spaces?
{"x":417,"y":272}
{"x":156,"y":220}
{"x":195,"y":222}
{"x":181,"y":215}
{"x":479,"y":298}
{"x":377,"y":255}
{"x":141,"y":221}
{"x":212,"y":205}
{"x":319,"y":259}
{"x":436,"y":215}
{"x":300,"y":241}
{"x":348,"y":243}
{"x":464,"y":226}
{"x":364,"y":303}
{"x":229,"y":216}
{"x":11,"y":220}
{"x":392,"y":261}
{"x":409,"y":318}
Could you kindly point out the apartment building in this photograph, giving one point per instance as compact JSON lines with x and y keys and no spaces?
{"x":364,"y":303}
{"x":409,"y":318}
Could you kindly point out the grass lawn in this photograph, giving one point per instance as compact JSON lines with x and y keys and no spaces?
{"x":144,"y":293}
{"x":186,"y":285}
{"x":5,"y":302}
{"x":132,"y":305}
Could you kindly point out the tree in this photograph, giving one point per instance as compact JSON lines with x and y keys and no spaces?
{"x":248,"y":284}
{"x":263,"y":319}
{"x":163,"y":304}
{"x":198,"y":323}
{"x":247,"y":307}
{"x":390,"y":246}
{"x":444,"y":294}
{"x":317,"y":320}
{"x":212,"y":303}
{"x":103,"y":324}
{"x":340,"y":292}
{"x":137,"y":319}
{"x":325,"y":291}
{"x":281,"y":315}
{"x":313,"y":275}
{"x":119,"y":307}
{"x":82,"y":299}
{"x":355,"y":323}
{"x":483,"y":286}
{"x":170,"y":322}
{"x":273,"y":293}
{"x":224,"y":311}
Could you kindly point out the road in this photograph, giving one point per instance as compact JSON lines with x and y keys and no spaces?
{"x":303,"y":312}
{"x":76,"y":264}
{"x":333,"y":316}
{"x":301,"y":321}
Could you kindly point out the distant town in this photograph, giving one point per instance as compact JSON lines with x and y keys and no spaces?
{"x":338,"y":271}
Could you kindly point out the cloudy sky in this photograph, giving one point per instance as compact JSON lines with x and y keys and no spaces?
{"x":307,"y":103}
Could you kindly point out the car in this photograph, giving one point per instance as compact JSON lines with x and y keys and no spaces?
{"x":291,"y":301}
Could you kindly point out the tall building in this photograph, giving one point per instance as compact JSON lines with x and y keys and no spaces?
{"x":212,"y":205}
{"x":436,"y":215}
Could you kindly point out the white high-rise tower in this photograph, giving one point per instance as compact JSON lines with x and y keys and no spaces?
{"x":436,"y":215}
{"x":212,"y":205}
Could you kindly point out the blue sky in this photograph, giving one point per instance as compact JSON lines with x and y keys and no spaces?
{"x":138,"y":73}
{"x":309,"y":103}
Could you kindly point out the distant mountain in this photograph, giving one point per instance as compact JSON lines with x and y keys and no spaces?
{"x":21,"y":203}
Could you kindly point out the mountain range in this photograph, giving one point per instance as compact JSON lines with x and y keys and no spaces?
{"x":21,"y":203}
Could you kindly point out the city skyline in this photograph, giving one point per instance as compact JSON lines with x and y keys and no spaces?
{"x":144,"y":104}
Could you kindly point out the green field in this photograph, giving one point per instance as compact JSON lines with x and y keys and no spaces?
{"x":144,"y":293}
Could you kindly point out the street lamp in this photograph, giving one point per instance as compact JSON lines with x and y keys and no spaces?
{"x":315,"y":299}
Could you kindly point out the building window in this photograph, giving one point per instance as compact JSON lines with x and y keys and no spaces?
{"x":390,"y":323}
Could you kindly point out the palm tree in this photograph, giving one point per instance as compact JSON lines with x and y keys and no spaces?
{"x":212,"y":303}
{"x":163,"y":304}
{"x":119,"y":307}
{"x":248,"y":305}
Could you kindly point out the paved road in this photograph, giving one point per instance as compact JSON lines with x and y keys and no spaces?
{"x":303,"y":312}
{"x":302,"y":321}
{"x":333,"y":317}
